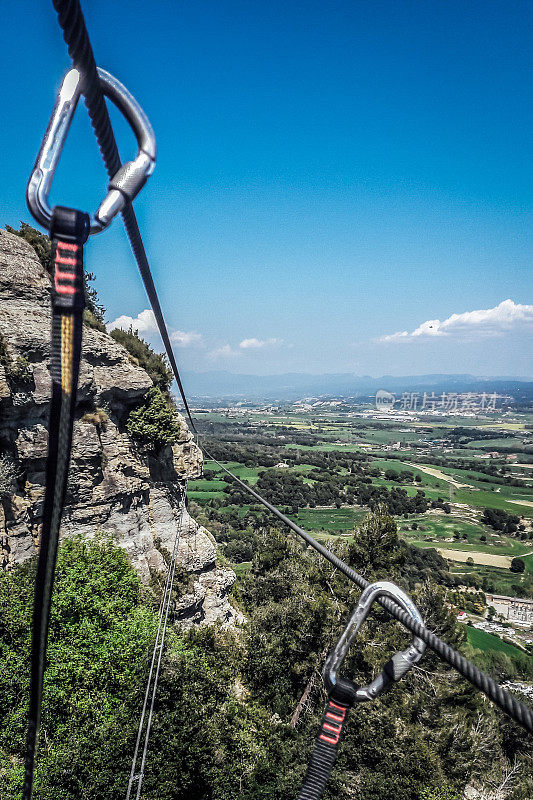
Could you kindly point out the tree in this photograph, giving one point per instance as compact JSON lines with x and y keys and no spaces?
{"x":517,"y":565}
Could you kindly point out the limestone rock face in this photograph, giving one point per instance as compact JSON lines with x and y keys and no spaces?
{"x":114,"y":486}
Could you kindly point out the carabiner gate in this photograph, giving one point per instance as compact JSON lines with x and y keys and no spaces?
{"x":129,"y":179}
{"x":398,"y":665}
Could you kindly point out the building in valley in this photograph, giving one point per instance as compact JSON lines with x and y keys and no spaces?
{"x":513,"y":609}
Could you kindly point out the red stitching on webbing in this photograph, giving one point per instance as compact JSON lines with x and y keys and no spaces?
{"x":339,"y":708}
{"x":68,"y":246}
{"x":70,"y":261}
{"x":327,"y":727}
{"x":334,"y":716}
{"x":61,"y":288}
{"x":328,"y":739}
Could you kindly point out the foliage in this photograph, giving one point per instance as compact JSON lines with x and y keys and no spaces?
{"x":144,"y":356}
{"x":222,"y":718}
{"x":441,"y":793}
{"x":503,"y":665}
{"x":517,"y":565}
{"x":96,"y":311}
{"x":154,"y":423}
{"x":99,"y":642}
{"x":8,"y":475}
{"x":4,"y":355}
{"x":500,"y":520}
{"x":205,"y":741}
{"x":284,"y":488}
{"x":98,"y":417}
{"x":18,"y":371}
{"x":93,"y":322}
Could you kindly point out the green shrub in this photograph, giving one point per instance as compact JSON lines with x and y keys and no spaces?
{"x":155,"y":364}
{"x":155,"y":422}
{"x":92,"y":304}
{"x":98,"y":417}
{"x":5,"y":360}
{"x":92,"y":322}
{"x":19,"y":371}
{"x":440,"y":793}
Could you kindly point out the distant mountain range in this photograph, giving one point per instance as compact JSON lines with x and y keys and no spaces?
{"x":295,"y":385}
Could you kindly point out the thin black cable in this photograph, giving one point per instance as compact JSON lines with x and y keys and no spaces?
{"x":75,"y":34}
{"x":80,"y":50}
{"x":155,"y":666}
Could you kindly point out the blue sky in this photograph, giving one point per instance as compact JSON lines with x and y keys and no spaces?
{"x":330,"y":177}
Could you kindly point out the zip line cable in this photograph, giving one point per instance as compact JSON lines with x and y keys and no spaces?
{"x":76,"y":37}
{"x":153,"y":677}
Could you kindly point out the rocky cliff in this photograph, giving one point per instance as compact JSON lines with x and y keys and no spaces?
{"x":114,"y":486}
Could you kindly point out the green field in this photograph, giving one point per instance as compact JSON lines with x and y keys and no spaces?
{"x":502,"y":581}
{"x":482,"y":640}
{"x":203,"y":485}
{"x":326,"y":447}
{"x":338,"y":520}
{"x":330,"y":431}
{"x":242,"y":568}
{"x":249,"y":474}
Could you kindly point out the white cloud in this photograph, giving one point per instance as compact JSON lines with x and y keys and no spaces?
{"x":248,"y":344}
{"x":143,"y":322}
{"x":185,"y":338}
{"x":483,"y":322}
{"x":225,"y":351}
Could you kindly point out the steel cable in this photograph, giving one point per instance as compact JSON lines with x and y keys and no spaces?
{"x":76,"y":37}
{"x":75,"y":34}
{"x":155,"y":667}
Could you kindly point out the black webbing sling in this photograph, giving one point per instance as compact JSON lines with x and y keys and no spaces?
{"x":327,"y":743}
{"x":69,"y":231}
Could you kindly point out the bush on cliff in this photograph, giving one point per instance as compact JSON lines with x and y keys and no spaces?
{"x":205,"y":742}
{"x":154,"y":423}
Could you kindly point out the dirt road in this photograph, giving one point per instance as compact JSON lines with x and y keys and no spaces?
{"x":436,"y":473}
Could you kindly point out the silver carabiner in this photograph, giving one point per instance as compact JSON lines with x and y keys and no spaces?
{"x":129,"y":179}
{"x":398,"y":665}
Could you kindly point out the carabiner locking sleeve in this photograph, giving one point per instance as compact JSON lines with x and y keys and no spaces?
{"x":129,"y":179}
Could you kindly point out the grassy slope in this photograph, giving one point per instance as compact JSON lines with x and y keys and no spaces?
{"x":486,"y":641}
